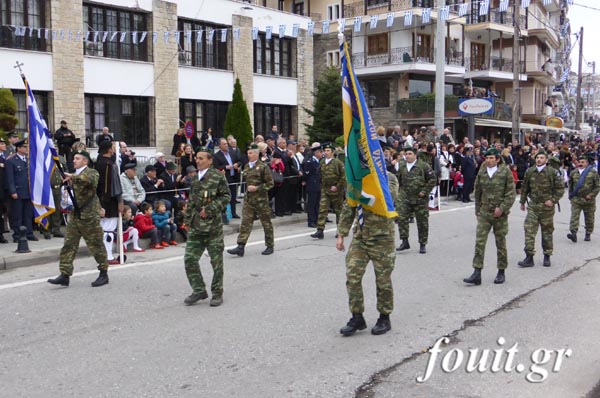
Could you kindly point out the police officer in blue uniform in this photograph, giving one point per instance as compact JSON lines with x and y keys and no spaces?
{"x":3,"y":193}
{"x":17,"y":182}
{"x":312,"y":180}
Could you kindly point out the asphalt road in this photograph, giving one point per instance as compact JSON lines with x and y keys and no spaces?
{"x":276,"y":335}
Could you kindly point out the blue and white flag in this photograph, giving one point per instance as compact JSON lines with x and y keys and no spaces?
{"x":113,"y":36}
{"x":484,"y":7}
{"x":236,"y":34}
{"x":342,"y":23}
{"x":104,"y":37}
{"x":200,"y":32}
{"x":176,"y":36}
{"x":546,"y":2}
{"x":310,"y":28}
{"x":124,"y":36}
{"x":295,"y":29}
{"x":223,"y":35}
{"x":503,"y":6}
{"x":42,"y":156}
{"x":154,"y":37}
{"x":144,"y":34}
{"x":374,"y":20}
{"x":166,"y":36}
{"x":210,"y":34}
{"x":188,"y":36}
{"x":20,"y":30}
{"x":565,"y":28}
{"x":525,"y":3}
{"x":134,"y":38}
{"x":565,"y":75}
{"x":254,"y":33}
{"x":426,"y":16}
{"x":444,"y":13}
{"x":389,"y":22}
{"x":462,"y":9}
{"x":408,"y":16}
{"x":357,"y":24}
{"x":282,"y":28}
{"x":326,"y":27}
{"x":268,"y":32}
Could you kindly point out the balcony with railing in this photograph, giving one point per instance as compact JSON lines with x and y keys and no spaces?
{"x":424,"y":107}
{"x":488,"y":67}
{"x":380,"y":6}
{"x":404,"y":55}
{"x":505,"y":19}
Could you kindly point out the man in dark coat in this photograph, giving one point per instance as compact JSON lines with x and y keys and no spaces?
{"x":468,"y":168}
{"x":64,"y":141}
{"x":312,"y":180}
{"x":17,"y":182}
{"x":3,"y":192}
{"x":151,"y":184}
{"x":228,"y":163}
{"x":172,"y":182}
{"x":105,"y":136}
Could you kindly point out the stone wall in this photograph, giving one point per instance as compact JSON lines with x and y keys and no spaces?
{"x":67,"y":59}
{"x":305,"y":75}
{"x":243,"y":67}
{"x":166,"y":77}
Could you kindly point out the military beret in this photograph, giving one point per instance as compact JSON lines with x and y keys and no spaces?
{"x":410,"y":149}
{"x":171,"y":166}
{"x":190,"y":169}
{"x":541,"y":152}
{"x":2,"y":140}
{"x":253,"y":147}
{"x":20,"y":143}
{"x":104,"y":145}
{"x":326,"y":145}
{"x":149,"y":168}
{"x":85,"y":154}
{"x":12,"y":134}
{"x":492,"y":152}
{"x":291,"y":142}
{"x":129,"y":166}
{"x":205,"y":149}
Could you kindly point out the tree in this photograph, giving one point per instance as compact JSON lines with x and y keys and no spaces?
{"x":328,"y":122}
{"x":8,"y":110}
{"x":237,"y":120}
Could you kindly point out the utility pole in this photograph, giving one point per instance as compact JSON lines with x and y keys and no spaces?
{"x":579,"y":103}
{"x":516,"y":114}
{"x":440,"y":79}
{"x":593,"y":107}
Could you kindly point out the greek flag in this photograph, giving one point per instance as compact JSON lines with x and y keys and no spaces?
{"x":295,"y":29}
{"x":325,"y":28}
{"x":357,"y":23}
{"x":408,"y":15}
{"x":546,"y":2}
{"x":565,"y":75}
{"x":462,"y":9}
{"x":444,"y":13}
{"x":374,"y":20}
{"x":503,"y":6}
{"x":484,"y":7}
{"x":389,"y":22}
{"x":310,"y":29}
{"x":426,"y":16}
{"x":565,"y":28}
{"x":525,"y":3}
{"x":42,"y":156}
{"x":365,"y":167}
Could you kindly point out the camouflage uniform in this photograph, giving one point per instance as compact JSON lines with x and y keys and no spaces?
{"x":420,"y":179}
{"x":256,"y":204}
{"x":591,"y":186}
{"x":332,"y":174}
{"x":212,"y":194}
{"x":375,"y":242}
{"x":85,"y":223}
{"x":540,"y":186}
{"x":490,"y":193}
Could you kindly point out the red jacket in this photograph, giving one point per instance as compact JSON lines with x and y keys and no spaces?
{"x":143,"y":223}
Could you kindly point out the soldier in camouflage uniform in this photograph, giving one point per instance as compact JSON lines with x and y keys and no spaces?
{"x":333,"y":183}
{"x":85,"y":222}
{"x":374,"y":242}
{"x":544,"y":187}
{"x":209,"y":196}
{"x":583,"y":197}
{"x":259,"y":179}
{"x":416,"y":180}
{"x":494,"y":197}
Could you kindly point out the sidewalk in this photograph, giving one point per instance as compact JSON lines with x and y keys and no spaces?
{"x":47,"y":251}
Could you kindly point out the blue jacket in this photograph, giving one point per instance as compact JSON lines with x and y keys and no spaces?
{"x":160,"y":220}
{"x":312,"y":174}
{"x":17,"y":177}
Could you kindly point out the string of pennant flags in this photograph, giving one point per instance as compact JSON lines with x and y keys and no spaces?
{"x":138,"y":37}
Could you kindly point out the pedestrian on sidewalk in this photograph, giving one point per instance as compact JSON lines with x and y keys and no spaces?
{"x":85,"y":222}
{"x":209,"y":196}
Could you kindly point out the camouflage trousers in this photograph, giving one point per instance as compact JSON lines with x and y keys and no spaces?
{"x":194,"y":247}
{"x":589,"y":210}
{"x":383,"y":255}
{"x":485,"y":222}
{"x":336,"y":201}
{"x":421,"y":214}
{"x":542,"y":217}
{"x":256,"y":208}
{"x":92,"y":234}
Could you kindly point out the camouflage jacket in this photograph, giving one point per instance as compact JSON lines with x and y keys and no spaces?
{"x":332,"y":174}
{"x":84,"y":190}
{"x":420,"y":179}
{"x":591,"y":185}
{"x":212,"y":194}
{"x":498,"y":191}
{"x":542,"y":186}
{"x":260,"y":176}
{"x":374,"y":226}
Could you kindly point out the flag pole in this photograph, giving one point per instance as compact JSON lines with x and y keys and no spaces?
{"x":120,"y":224}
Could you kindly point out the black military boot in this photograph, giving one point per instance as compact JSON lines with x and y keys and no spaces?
{"x":527,"y":261}
{"x":404,"y":245}
{"x":382,"y":326}
{"x":267,"y":251}
{"x":547,"y":262}
{"x":239,"y":250}
{"x":572,"y":236}
{"x":588,"y":237}
{"x":422,"y":249}
{"x":318,"y":234}
{"x":102,"y":279}
{"x":499,"y":277}
{"x":475,"y":277}
{"x":194,"y":297}
{"x":62,"y":280}
{"x":357,"y":322}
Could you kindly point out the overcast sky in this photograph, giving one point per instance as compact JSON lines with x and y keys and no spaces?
{"x":589,"y":18}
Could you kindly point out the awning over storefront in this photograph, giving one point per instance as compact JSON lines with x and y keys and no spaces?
{"x":524,"y":126}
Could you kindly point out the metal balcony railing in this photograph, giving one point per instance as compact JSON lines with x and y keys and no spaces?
{"x":404,"y":55}
{"x":426,"y":104}
{"x":494,"y":63}
{"x":494,"y":16}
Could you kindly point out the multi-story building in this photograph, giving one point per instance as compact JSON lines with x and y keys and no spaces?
{"x":144,"y":67}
